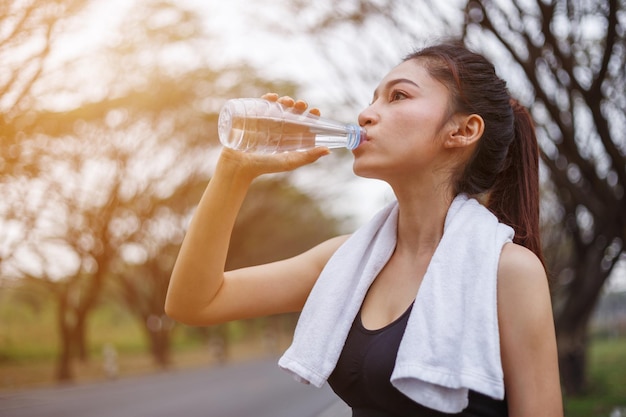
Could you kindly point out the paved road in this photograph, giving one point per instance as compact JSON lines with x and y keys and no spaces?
{"x":255,"y":389}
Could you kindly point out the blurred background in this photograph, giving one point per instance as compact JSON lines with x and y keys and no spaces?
{"x":108,"y":113}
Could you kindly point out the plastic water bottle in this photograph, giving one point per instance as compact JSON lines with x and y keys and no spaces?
{"x":258,"y":125}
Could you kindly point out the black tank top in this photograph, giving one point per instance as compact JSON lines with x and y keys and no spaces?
{"x":362,"y":377}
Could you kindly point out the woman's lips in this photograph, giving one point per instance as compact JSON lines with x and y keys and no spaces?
{"x":366,"y":138}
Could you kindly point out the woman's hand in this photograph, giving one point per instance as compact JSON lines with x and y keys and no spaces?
{"x":297,"y":106}
{"x":254,"y":164}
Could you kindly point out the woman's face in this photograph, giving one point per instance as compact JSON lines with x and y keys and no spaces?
{"x":406,"y":123}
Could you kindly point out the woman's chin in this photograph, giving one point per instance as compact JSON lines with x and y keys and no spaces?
{"x":363,"y":170}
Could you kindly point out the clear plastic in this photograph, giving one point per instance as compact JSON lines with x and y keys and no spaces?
{"x":258,"y":125}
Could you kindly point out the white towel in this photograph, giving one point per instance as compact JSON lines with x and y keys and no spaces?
{"x":451,"y":344}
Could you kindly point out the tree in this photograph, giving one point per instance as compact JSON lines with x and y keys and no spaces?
{"x":564,"y":59}
{"x":31,"y":28}
{"x":70,"y":172}
{"x":572,"y":53}
{"x":98,"y":188}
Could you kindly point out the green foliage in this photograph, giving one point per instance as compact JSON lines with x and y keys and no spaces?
{"x":29,"y":329}
{"x":111,"y":324}
{"x":607,"y":381}
{"x":27,"y":324}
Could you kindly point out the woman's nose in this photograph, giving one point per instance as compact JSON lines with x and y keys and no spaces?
{"x":367,"y":116}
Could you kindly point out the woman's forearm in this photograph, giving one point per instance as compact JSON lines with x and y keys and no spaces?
{"x":198,"y":273}
{"x":199,"y":269}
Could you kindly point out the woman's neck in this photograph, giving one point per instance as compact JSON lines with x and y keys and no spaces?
{"x":421,"y":219}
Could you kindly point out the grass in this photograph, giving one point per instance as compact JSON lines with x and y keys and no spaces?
{"x":30,"y":334}
{"x":607,"y":381}
{"x":26,"y":332}
{"x":29,"y":343}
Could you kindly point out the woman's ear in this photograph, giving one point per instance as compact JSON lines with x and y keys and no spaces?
{"x":465,"y":131}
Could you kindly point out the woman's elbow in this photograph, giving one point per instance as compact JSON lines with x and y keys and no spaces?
{"x":181,"y":315}
{"x":173,"y":311}
{"x":185,"y":313}
{"x":178,"y":310}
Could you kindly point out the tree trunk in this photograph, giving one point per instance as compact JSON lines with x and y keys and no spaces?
{"x":159,"y":330}
{"x":80,"y":336}
{"x":573,"y":360}
{"x":160,"y":347}
{"x":64,"y":364}
{"x":64,"y":359}
{"x":572,"y":319}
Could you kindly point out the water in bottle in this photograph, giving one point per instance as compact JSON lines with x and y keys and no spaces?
{"x":258,"y":125}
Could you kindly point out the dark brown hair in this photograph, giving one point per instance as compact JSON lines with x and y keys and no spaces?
{"x":505,"y":163}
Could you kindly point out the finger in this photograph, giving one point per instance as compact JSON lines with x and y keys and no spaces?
{"x":299,"y":158}
{"x":314,"y":154}
{"x":287,"y":101}
{"x":300,"y":106}
{"x":270,"y":96}
{"x":320,"y":151}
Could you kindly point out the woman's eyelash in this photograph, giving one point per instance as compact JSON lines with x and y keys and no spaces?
{"x":394,"y":95}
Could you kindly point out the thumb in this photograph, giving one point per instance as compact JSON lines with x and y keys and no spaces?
{"x":300,"y":158}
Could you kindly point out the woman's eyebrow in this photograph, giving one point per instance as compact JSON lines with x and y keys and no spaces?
{"x":393,"y":82}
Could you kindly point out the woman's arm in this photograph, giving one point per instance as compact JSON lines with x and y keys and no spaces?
{"x":527,"y":336}
{"x":200,"y":292}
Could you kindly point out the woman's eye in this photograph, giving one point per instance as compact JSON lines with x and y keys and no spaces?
{"x":397,"y":95}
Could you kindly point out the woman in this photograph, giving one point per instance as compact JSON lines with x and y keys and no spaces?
{"x":441,"y":131}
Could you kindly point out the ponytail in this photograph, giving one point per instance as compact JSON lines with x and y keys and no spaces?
{"x":514,"y":197}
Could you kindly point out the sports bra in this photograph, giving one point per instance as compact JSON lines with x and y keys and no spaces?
{"x":362,"y":377}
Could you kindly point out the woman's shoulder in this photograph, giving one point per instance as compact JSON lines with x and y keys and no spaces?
{"x":527,"y":336}
{"x":522,"y":279}
{"x":523,"y":292}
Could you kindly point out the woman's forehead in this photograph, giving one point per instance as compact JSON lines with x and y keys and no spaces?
{"x":411,"y":70}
